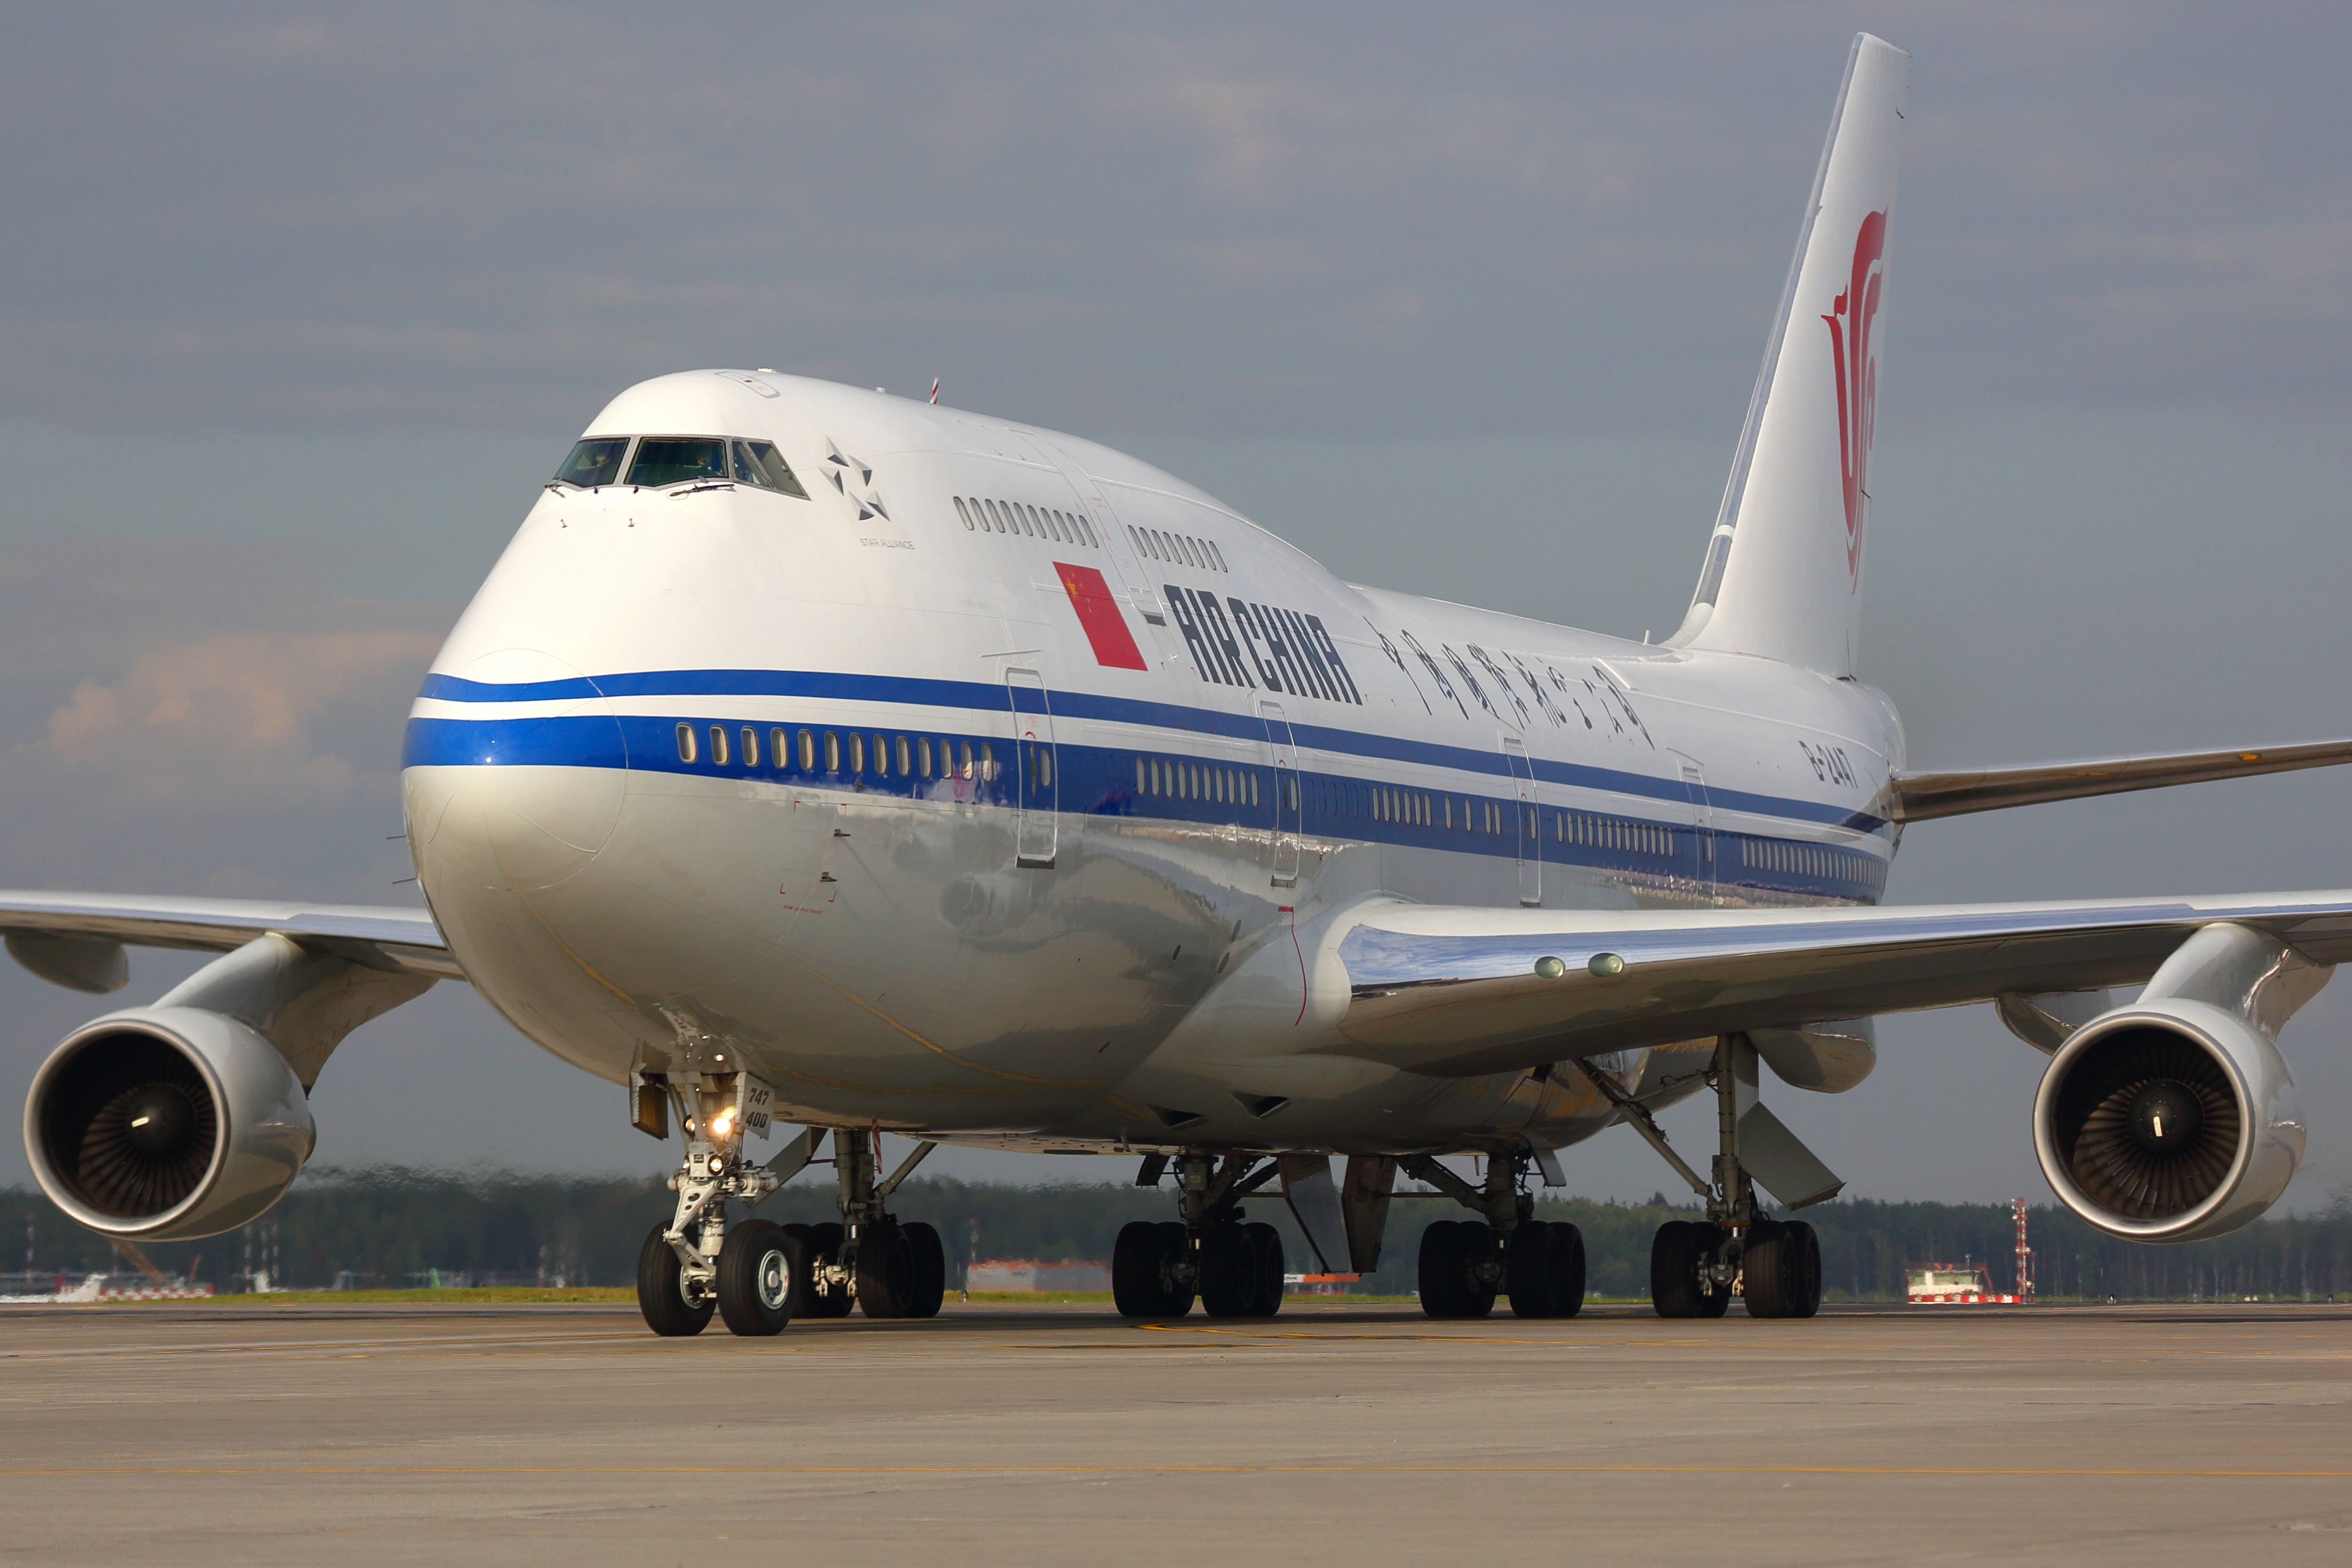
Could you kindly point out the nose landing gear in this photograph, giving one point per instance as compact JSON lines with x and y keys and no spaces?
{"x":757,"y":1276}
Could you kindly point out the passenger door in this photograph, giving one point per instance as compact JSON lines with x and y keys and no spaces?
{"x":1530,"y":841}
{"x":1701,"y":825}
{"x":1281,"y":752}
{"x":1032,"y":744}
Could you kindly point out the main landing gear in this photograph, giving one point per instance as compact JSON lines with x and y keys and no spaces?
{"x":1233,"y":1264}
{"x":758,"y":1276}
{"x":1465,"y":1264}
{"x":1697,"y":1265}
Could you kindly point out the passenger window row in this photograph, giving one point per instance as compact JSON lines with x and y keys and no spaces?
{"x":1809,"y":860}
{"x":854,"y":756}
{"x":1611,"y":833}
{"x":1177,"y":549}
{"x":1020,"y":516}
{"x":658,"y":462}
{"x":1180,"y":780}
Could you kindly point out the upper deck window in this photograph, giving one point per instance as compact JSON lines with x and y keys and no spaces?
{"x":596,"y":461}
{"x":759,"y":463}
{"x":677,"y":461}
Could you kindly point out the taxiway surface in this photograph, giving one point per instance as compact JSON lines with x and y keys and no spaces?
{"x":1056,"y":1436}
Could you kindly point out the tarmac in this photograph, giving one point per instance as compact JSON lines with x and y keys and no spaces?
{"x":1049,"y":1436}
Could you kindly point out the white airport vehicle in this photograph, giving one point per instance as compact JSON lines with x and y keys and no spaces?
{"x":820,"y":756}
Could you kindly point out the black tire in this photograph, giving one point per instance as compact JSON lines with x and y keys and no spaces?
{"x":1568,"y":1266}
{"x":824,"y":1246}
{"x":1440,"y":1271}
{"x":759,"y":1274}
{"x":804,"y":1296}
{"x":1451,"y":1252}
{"x":1529,"y":1268}
{"x":1781,"y":1270}
{"x":661,"y":1292}
{"x":1177,"y":1283}
{"x":1226,"y":1281}
{"x":1265,"y":1270}
{"x":1804,"y":1269}
{"x":885,"y":1268}
{"x":1136,"y":1287}
{"x":1760,"y":1271}
{"x":928,"y":1284}
{"x":1676,"y":1253}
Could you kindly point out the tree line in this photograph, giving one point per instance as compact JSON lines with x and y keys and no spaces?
{"x":395,"y":1227}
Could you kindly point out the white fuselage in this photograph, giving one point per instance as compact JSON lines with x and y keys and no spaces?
{"x":940,"y":797}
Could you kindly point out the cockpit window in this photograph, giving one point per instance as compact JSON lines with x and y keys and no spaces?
{"x":759,"y":463}
{"x":593,"y":462}
{"x":677,"y":461}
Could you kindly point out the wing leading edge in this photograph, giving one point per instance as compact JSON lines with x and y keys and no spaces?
{"x":1457,"y":991}
{"x":43,"y":929}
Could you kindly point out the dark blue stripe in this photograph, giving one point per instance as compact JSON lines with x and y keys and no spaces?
{"x":1100,"y":781}
{"x":835,"y":686}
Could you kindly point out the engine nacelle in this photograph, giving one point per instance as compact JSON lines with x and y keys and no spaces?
{"x":2173,"y":1120}
{"x":164,"y":1122}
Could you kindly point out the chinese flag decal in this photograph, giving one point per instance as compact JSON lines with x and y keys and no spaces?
{"x":1106,"y":628}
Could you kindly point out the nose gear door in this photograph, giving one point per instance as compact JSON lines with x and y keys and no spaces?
{"x":1531,"y":842}
{"x":1033,"y":741}
{"x":1281,"y":752}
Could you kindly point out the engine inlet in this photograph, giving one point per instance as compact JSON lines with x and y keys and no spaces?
{"x":2147,"y":1123}
{"x":131,"y":1123}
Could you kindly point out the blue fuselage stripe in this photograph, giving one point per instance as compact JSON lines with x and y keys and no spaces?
{"x":1172,"y":786}
{"x":1067,"y":703}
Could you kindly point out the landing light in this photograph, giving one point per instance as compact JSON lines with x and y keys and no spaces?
{"x":723,"y":1123}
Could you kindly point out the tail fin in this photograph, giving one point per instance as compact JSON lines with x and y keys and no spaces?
{"x":1783,"y":572}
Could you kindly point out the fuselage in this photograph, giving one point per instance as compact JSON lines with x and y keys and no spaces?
{"x":941,"y":795}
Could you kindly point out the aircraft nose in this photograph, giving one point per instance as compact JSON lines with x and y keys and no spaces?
{"x":513,"y":775}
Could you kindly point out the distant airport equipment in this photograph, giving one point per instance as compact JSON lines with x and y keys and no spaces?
{"x":817,"y":756}
{"x":1969,"y":1284}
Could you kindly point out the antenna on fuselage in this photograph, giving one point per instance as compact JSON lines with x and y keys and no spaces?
{"x":935,"y":389}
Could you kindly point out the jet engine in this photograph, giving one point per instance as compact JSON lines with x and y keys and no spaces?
{"x":2173,"y":1120}
{"x":164,"y":1122}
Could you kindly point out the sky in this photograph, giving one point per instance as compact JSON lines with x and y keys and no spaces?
{"x":299,"y":304}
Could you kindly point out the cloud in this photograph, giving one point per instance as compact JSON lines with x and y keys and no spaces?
{"x":1123,"y":218}
{"x":230,"y":714}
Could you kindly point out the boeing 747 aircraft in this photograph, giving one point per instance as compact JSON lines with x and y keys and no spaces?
{"x":818,"y":757}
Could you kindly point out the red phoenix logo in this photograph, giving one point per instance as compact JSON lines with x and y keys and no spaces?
{"x":1850,"y":319}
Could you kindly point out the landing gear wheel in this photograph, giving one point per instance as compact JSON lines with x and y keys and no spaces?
{"x":1781,"y":1269}
{"x":662,"y":1292}
{"x":1138,"y":1271}
{"x":1225,"y":1284}
{"x":885,"y":1268}
{"x":759,"y":1274}
{"x":1176,"y":1276}
{"x":1449,"y":1277}
{"x":823,"y":1251}
{"x":1544,"y":1270}
{"x":1677,"y":1252}
{"x":927,"y":1284}
{"x":1263,"y":1297}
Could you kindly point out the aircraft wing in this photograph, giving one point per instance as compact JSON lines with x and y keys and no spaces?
{"x":68,"y":937}
{"x":1457,"y":991}
{"x":1922,"y":797}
